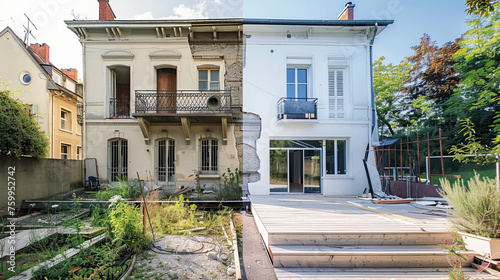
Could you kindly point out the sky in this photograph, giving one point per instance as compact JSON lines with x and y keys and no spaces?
{"x":443,"y":20}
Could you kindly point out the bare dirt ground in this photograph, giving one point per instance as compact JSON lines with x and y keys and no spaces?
{"x":206,"y":263}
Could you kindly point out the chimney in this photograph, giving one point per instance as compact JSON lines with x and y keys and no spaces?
{"x":72,"y":73}
{"x":105,"y":11}
{"x":42,"y":50}
{"x":348,"y":12}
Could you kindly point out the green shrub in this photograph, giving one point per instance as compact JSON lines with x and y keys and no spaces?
{"x":123,"y":189}
{"x":476,"y":208}
{"x":231,"y":190}
{"x":126,"y":227}
{"x":169,"y":219}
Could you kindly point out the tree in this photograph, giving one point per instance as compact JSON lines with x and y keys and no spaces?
{"x":480,"y":7}
{"x":478,"y":60}
{"x":388,"y":81}
{"x":433,"y":78}
{"x":20,"y":133}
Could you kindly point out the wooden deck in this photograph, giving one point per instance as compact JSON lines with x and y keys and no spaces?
{"x":316,"y":214}
{"x":313,"y":237}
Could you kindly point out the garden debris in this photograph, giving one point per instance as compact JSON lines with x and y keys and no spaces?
{"x":193,"y":229}
{"x":115,"y":198}
{"x":393,"y":201}
{"x":183,"y":189}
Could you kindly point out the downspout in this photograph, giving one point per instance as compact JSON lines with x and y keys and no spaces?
{"x":84,"y":111}
{"x":371,"y":131}
{"x":374,"y":112}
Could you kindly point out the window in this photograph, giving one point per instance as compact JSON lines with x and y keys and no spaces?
{"x":65,"y":151}
{"x":117,"y":160}
{"x":296,"y":82}
{"x":78,"y":152}
{"x":336,"y":157}
{"x":25,"y":78}
{"x":65,"y":120}
{"x":336,"y":93}
{"x":209,"y":79}
{"x":165,"y":168}
{"x":119,"y":92}
{"x":209,"y":155}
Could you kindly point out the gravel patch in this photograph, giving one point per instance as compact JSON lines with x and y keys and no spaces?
{"x":188,"y":258}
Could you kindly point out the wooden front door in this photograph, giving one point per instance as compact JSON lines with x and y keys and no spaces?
{"x":166,"y":85}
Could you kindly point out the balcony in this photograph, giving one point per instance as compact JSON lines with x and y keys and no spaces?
{"x":206,"y":102}
{"x":119,"y":108}
{"x":184,"y":107}
{"x":297,"y":108}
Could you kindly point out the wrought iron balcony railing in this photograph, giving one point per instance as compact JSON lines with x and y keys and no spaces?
{"x":182,"y":101}
{"x":119,"y":108}
{"x":297,"y":108}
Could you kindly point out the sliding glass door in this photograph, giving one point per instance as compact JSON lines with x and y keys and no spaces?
{"x":295,"y":166}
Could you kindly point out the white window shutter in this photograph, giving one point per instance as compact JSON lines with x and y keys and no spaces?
{"x":336,"y":93}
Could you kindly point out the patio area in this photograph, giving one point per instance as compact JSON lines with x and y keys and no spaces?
{"x":320,"y":237}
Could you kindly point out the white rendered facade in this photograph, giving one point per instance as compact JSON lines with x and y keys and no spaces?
{"x":326,"y":134}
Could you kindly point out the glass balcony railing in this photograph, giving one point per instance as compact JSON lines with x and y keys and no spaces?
{"x":297,"y":108}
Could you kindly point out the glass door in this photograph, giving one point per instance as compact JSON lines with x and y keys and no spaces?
{"x":312,"y":171}
{"x":296,"y":171}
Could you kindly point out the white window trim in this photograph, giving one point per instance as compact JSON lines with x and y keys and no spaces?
{"x":209,"y":73}
{"x":156,"y":157}
{"x":203,"y":64}
{"x":110,"y":91}
{"x":210,"y":159}
{"x":303,"y":63}
{"x":68,"y":152}
{"x":79,"y":149}
{"x":66,"y":121}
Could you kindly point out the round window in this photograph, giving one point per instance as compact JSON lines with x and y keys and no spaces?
{"x":25,"y":78}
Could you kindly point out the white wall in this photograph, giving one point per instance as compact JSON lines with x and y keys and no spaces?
{"x":267,"y":52}
{"x":13,"y":61}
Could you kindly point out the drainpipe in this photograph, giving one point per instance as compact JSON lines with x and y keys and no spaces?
{"x":374,"y":113}
{"x":84,"y":113}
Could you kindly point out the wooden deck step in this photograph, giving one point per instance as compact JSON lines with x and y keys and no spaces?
{"x":359,"y":238}
{"x":361,"y":256}
{"x":373,"y":273}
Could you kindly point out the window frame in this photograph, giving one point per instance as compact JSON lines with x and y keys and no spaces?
{"x":121,"y":160}
{"x":169,"y":151}
{"x":211,"y":157}
{"x":336,"y":158}
{"x":209,"y":78}
{"x":65,"y":122}
{"x":67,"y":154}
{"x":296,"y":83}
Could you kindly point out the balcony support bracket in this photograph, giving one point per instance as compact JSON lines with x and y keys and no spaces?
{"x":185,"y":128}
{"x":224,"y":131}
{"x":145,"y":128}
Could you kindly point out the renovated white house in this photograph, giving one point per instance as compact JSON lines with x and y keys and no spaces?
{"x":310,"y":82}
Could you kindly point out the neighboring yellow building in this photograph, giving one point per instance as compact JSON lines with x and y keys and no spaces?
{"x":53,"y":96}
